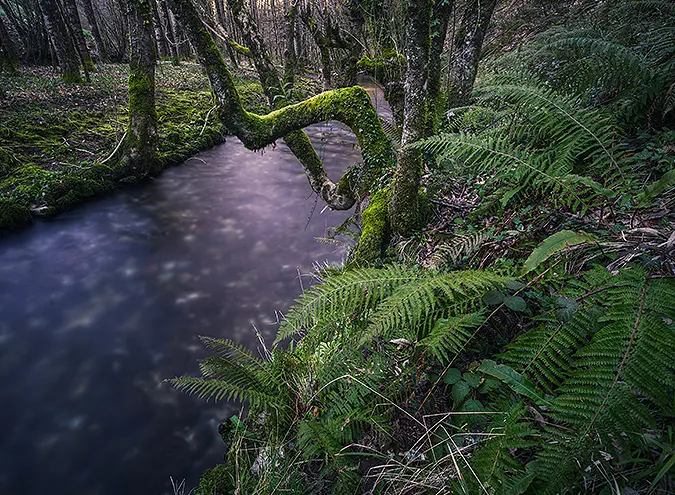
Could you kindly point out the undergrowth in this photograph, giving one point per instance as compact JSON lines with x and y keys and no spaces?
{"x":524,"y":343}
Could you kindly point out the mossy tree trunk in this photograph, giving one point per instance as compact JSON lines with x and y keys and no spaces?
{"x":389,"y":71}
{"x":339,"y":196}
{"x":75,"y":25}
{"x":66,"y":53}
{"x":9,"y":57}
{"x":468,"y":45}
{"x":141,"y":140}
{"x":290,"y":55}
{"x":351,"y":106}
{"x":404,"y":209}
{"x":89,"y":13}
{"x":439,"y":27}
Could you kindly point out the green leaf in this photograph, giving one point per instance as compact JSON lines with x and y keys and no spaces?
{"x":493,"y":298}
{"x":460,"y":391}
{"x":452,"y":376}
{"x":515,"y":303}
{"x":472,"y":379}
{"x":517,"y":382}
{"x":553,"y":244}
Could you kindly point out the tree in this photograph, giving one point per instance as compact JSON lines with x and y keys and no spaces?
{"x":75,"y":27}
{"x":404,"y":209}
{"x":468,"y":46}
{"x":88,"y":8}
{"x":65,"y":50}
{"x":9,"y":58}
{"x":141,"y":139}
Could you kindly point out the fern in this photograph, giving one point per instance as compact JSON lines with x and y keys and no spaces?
{"x":552,"y":245}
{"x":609,"y":367}
{"x":410,"y":309}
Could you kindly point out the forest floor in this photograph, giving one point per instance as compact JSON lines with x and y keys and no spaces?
{"x":55,"y":135}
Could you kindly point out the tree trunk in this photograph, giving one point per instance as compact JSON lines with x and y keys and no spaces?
{"x":9,"y":57}
{"x":88,"y":8}
{"x":441,"y":19}
{"x":404,"y":209}
{"x":351,"y":106}
{"x":167,"y":23}
{"x":141,"y":139}
{"x":290,"y":56}
{"x":66,"y":53}
{"x":160,"y":37}
{"x":468,"y":45}
{"x":71,"y":13}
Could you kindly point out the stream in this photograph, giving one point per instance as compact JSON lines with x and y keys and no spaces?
{"x":100,"y":305}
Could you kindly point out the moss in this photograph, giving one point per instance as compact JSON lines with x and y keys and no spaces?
{"x":50,"y":148}
{"x":241,"y":49}
{"x":216,"y":481}
{"x":375,"y":230}
{"x":13,"y":215}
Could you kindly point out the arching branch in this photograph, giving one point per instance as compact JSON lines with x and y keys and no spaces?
{"x":351,"y":106}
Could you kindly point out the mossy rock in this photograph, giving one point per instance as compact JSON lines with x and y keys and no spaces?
{"x":13,"y":215}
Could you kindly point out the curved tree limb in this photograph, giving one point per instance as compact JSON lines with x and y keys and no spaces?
{"x":351,"y":106}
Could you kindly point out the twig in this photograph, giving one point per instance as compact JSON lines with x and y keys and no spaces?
{"x":206,"y":120}
{"x":116,"y":148}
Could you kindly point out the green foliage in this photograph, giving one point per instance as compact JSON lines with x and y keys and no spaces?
{"x":552,"y":245}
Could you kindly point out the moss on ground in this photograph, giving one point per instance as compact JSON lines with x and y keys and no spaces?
{"x":55,"y":137}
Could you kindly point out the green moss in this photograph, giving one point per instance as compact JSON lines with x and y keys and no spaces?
{"x":51,"y":147}
{"x":375,"y":229}
{"x":241,"y":49}
{"x":13,"y":215}
{"x":216,"y":481}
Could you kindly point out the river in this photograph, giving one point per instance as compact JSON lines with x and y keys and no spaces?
{"x":100,"y":305}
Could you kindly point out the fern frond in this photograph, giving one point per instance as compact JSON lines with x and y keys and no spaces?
{"x":351,"y":292}
{"x":449,"y":336}
{"x":408,"y":311}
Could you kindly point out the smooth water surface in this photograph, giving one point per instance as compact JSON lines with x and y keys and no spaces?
{"x":98,"y":306}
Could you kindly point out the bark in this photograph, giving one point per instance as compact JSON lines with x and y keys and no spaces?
{"x":71,"y":13}
{"x":404,"y":209}
{"x":167,"y":24}
{"x":389,"y":71}
{"x":290,"y":56}
{"x":160,"y":37}
{"x":351,"y":106}
{"x":88,"y":8}
{"x":65,"y":50}
{"x":441,"y":19}
{"x":141,"y":139}
{"x":9,"y":57}
{"x":322,"y":42}
{"x":468,"y":45}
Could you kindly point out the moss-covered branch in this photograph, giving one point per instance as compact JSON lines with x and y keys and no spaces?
{"x":351,"y":106}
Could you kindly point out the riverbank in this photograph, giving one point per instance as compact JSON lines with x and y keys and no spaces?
{"x":56,"y":138}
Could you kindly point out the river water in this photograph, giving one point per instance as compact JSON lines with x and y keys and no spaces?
{"x":99,"y":305}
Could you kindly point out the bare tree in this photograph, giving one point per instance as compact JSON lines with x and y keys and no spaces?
{"x":75,"y":27}
{"x":66,"y":53}
{"x":468,"y":46}
{"x":9,"y":57}
{"x":88,"y":9}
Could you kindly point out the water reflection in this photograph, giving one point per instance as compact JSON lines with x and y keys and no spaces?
{"x":100,"y":305}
